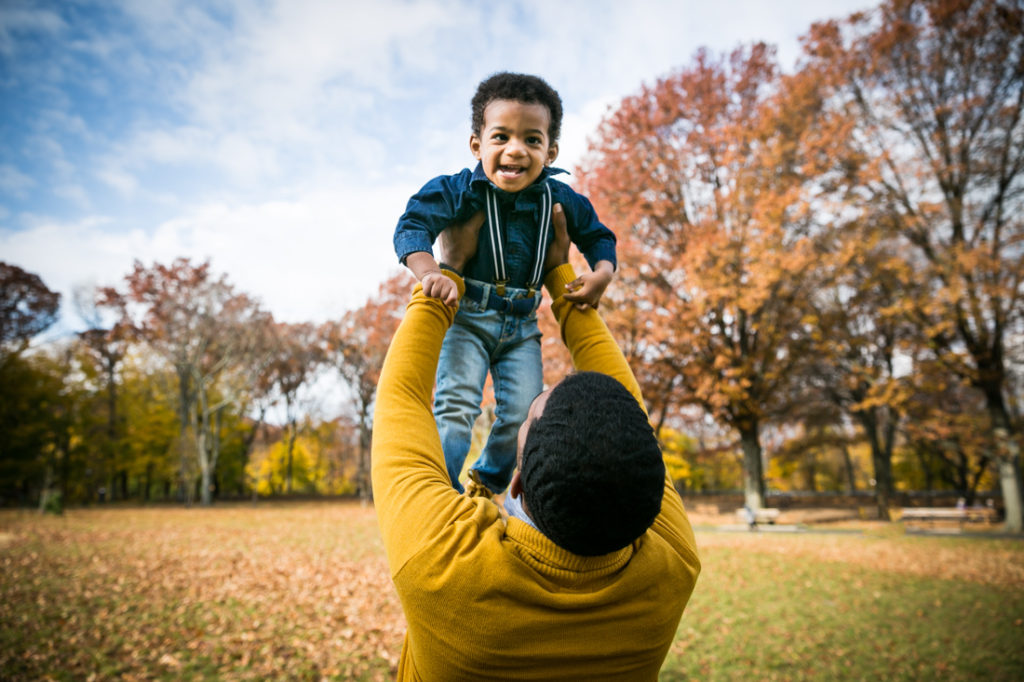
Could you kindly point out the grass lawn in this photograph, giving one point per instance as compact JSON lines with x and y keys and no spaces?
{"x":300,"y":591}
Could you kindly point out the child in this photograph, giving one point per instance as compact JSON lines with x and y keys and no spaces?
{"x":516,"y":122}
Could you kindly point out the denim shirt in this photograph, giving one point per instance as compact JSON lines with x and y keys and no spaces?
{"x":452,"y":199}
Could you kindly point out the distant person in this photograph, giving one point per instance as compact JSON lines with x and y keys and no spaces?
{"x":588,"y":577}
{"x":516,"y":120}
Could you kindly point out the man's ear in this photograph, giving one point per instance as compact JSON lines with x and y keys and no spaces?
{"x":474,"y":146}
{"x":515,"y":488}
{"x":552,"y":154}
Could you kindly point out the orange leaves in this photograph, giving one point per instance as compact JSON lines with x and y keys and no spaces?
{"x":703,"y":172}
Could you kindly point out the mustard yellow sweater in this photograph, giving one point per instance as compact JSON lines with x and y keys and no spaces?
{"x":490,"y":599}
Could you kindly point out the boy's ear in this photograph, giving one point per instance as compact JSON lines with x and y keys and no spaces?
{"x":552,"y":154}
{"x":474,"y":146}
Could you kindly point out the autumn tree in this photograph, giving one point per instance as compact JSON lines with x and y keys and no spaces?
{"x":948,"y":430}
{"x":937,"y":89}
{"x":708,"y":180}
{"x":104,"y":347}
{"x":295,"y":358}
{"x":202,"y":328}
{"x":356,"y":346}
{"x":860,"y":337}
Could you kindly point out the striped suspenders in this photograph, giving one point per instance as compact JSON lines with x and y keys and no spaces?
{"x":497,"y":245}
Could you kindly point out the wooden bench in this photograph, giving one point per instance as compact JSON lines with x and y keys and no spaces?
{"x":763,"y":515}
{"x":945,"y":515}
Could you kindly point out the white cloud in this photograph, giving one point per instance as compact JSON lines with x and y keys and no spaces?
{"x":311,"y":258}
{"x":14,"y":182}
{"x":281,"y":139}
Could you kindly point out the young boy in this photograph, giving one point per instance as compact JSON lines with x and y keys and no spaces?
{"x":516,"y":122}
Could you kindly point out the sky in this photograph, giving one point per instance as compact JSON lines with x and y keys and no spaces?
{"x":281,"y":139}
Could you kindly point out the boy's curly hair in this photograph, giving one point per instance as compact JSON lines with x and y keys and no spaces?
{"x":591,"y":468}
{"x":518,"y":87}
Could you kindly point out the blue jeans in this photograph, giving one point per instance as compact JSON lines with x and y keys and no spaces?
{"x":508,"y":346}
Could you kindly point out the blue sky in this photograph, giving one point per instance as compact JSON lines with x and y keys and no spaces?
{"x":282,"y":138}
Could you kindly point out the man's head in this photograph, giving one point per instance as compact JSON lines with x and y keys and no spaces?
{"x":590,"y":469}
{"x":516,"y":122}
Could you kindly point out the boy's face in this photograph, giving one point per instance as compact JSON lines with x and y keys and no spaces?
{"x":513,"y":145}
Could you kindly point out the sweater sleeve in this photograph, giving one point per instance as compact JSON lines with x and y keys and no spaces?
{"x":593,"y":348}
{"x":412,"y":494}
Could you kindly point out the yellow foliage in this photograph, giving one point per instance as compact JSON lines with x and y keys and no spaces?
{"x":310,"y":474}
{"x":675,"y":448}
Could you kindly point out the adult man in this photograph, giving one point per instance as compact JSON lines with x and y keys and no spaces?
{"x":589,"y":578}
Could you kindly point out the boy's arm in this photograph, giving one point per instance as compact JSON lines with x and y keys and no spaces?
{"x":435,"y":283}
{"x":428,"y":213}
{"x":456,"y":243}
{"x":597,"y":244}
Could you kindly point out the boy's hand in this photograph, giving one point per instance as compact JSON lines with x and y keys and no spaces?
{"x":435,"y":284}
{"x":586,"y":290}
{"x":457,"y":243}
{"x":439,"y":285}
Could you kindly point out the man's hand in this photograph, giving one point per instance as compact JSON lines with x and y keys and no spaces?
{"x":558,"y":252}
{"x":586,"y":290}
{"x":457,"y":243}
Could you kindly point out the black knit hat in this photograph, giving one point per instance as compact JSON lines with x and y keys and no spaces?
{"x":592,"y":471}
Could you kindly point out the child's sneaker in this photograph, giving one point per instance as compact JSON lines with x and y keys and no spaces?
{"x":476,"y":488}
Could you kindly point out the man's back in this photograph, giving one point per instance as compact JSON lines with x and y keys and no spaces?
{"x":490,"y":600}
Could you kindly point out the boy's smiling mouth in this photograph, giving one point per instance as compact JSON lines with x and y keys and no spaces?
{"x":511,"y":171}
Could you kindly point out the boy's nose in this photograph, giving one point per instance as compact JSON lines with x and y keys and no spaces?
{"x":515,"y":147}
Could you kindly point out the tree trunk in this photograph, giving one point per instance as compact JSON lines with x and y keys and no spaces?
{"x":147,"y":481}
{"x":212,"y":487}
{"x":851,"y":478}
{"x":363,"y":482}
{"x":288,"y":458}
{"x":185,"y":417}
{"x":1010,"y":484}
{"x":1007,"y":456}
{"x":202,"y":430}
{"x":753,"y":468}
{"x":881,"y":459}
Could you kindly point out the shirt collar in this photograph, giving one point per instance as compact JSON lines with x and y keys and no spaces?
{"x":514,"y":508}
{"x":479,"y":176}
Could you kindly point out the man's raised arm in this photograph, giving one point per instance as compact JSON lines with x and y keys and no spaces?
{"x":593,"y":348}
{"x":412,"y":492}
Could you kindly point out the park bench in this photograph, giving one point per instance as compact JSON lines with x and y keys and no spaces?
{"x":946,"y":515}
{"x":763,"y":515}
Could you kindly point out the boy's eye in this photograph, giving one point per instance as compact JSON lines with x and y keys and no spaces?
{"x":499,"y":137}
{"x":533,"y":139}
